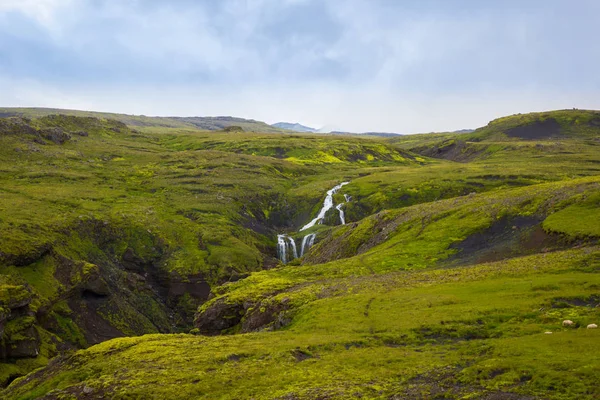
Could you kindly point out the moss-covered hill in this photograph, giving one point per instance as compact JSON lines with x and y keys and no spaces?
{"x":441,"y":285}
{"x":116,"y":232}
{"x":536,"y":132}
{"x":142,"y":121}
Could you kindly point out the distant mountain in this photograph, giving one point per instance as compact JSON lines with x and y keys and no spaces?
{"x":382,"y":134}
{"x":294,"y":127}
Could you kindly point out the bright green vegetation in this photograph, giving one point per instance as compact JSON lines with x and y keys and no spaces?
{"x":554,"y":124}
{"x":460,"y":252}
{"x":472,"y":331}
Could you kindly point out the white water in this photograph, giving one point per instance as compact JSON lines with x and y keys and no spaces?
{"x":293,"y":244}
{"x":281,"y":248}
{"x":327,"y":205}
{"x":309,"y":240}
{"x":307,"y":243}
{"x":339,"y":208}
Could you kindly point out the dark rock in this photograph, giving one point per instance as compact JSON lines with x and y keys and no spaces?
{"x":56,"y":135}
{"x":132,"y":262}
{"x":96,"y":285}
{"x":195,"y":285}
{"x":267,"y":316}
{"x":16,"y":126}
{"x":4,"y":313}
{"x":24,"y":345}
{"x":23,"y":259}
{"x":219,"y":316}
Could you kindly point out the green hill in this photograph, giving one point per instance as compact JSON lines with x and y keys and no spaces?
{"x":141,"y":262}
{"x":545,"y":125}
{"x":514,"y":134}
{"x":142,"y":121}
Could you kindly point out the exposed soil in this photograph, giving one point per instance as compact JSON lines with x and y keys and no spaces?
{"x":567,"y":302}
{"x":455,"y":151}
{"x":506,"y":238}
{"x":444,"y":385}
{"x":538,"y":130}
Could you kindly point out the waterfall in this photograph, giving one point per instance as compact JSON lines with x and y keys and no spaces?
{"x":286,"y":245}
{"x":307,"y":243}
{"x":327,"y":205}
{"x":293,"y":244}
{"x":339,"y":208}
{"x":282,"y":248}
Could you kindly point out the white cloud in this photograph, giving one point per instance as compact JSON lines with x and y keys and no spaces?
{"x":367,"y":65}
{"x":338,"y":108}
{"x":45,"y":12}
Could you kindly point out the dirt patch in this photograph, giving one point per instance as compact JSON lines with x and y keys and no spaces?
{"x":538,"y":130}
{"x":301,"y":355}
{"x":578,"y":301}
{"x":455,"y":150}
{"x":443,"y":384}
{"x":506,"y":238}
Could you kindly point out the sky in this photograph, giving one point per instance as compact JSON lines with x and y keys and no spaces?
{"x":401,"y":66}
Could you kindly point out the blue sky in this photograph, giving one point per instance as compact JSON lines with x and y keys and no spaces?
{"x":359,"y":65}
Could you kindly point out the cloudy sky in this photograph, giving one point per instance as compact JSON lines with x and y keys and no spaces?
{"x":359,"y":65}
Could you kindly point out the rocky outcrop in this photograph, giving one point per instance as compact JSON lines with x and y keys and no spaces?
{"x":222,"y":316}
{"x":56,"y":135}
{"x":26,"y":257}
{"x":266,"y":315}
{"x":22,"y":127}
{"x":18,"y":336}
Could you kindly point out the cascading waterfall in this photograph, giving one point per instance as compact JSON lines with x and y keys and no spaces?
{"x":307,"y":243}
{"x":281,"y":248}
{"x":339,"y":208}
{"x":286,"y":253}
{"x":293,"y":245}
{"x":327,"y":204}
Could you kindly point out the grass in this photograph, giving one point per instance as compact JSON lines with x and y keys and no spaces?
{"x":443,"y":281}
{"x":484,"y":329}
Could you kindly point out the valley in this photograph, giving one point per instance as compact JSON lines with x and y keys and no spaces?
{"x":207,"y":258}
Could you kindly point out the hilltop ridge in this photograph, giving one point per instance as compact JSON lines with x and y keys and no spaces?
{"x":141,"y":121}
{"x":541,"y":125}
{"x":294,"y":127}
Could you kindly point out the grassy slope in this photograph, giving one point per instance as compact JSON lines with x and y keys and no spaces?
{"x":119,"y":208}
{"x":474,"y":331}
{"x":393,"y":320}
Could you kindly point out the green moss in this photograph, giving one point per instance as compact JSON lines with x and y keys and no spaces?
{"x":377,"y":308}
{"x":579,"y":220}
